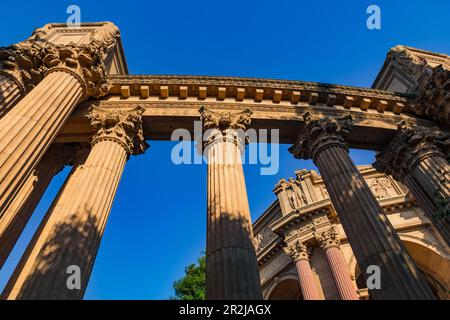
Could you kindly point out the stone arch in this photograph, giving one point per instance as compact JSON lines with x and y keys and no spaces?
{"x":286,"y":287}
{"x":434,"y":264}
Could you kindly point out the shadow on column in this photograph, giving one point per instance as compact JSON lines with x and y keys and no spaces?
{"x":73,"y":243}
{"x":231,"y":265}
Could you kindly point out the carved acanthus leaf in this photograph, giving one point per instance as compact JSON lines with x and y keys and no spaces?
{"x":27,"y":62}
{"x":297,"y":250}
{"x":434,"y":100}
{"x":328,"y":238}
{"x":318,"y":133}
{"x":409,"y":146}
{"x":124,"y":127}
{"x":225,"y":120}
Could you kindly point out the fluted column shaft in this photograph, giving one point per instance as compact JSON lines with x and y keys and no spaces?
{"x":70,"y":233}
{"x":433,"y":174}
{"x":308,"y":284}
{"x":429,"y":207}
{"x":231,"y":266}
{"x":417,"y":156}
{"x":330,"y":242}
{"x":10,"y":93}
{"x":232,"y":271}
{"x":13,"y":221}
{"x":299,"y":253}
{"x":28,"y":129}
{"x":340,"y":273}
{"x":373,"y":239}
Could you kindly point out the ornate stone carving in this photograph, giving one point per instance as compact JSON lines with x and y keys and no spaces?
{"x":382,"y":187}
{"x":328,"y":239}
{"x":297,"y":251}
{"x":434,"y":99}
{"x":409,"y":63}
{"x":124,"y":127}
{"x":23,"y":63}
{"x":294,"y":192}
{"x":66,"y":153}
{"x":410,"y":145}
{"x":84,"y":62}
{"x":28,"y":61}
{"x":225,"y":120}
{"x":319,"y":133}
{"x":263,"y":238}
{"x":225,"y":126}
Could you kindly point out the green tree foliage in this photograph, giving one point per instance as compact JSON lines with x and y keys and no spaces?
{"x":192,"y":285}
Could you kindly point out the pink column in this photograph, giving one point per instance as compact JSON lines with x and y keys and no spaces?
{"x":299,"y":253}
{"x":329,"y":241}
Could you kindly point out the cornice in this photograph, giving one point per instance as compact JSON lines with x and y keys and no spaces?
{"x":255,"y":83}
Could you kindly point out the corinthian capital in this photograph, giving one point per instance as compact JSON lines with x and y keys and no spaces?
{"x":23,"y":63}
{"x":410,"y":145}
{"x":297,"y":251}
{"x":328,"y":239}
{"x":319,"y":133}
{"x":123,"y":127}
{"x":225,"y":120}
{"x":225,"y":126}
{"x":27,"y":62}
{"x":84,"y":62}
{"x":434,"y":100}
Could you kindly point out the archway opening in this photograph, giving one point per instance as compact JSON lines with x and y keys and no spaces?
{"x":286,"y":290}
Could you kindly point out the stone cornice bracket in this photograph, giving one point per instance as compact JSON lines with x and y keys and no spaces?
{"x":225,"y":126}
{"x":297,"y":251}
{"x":328,"y":238}
{"x":321,"y":133}
{"x":123,"y":127}
{"x":434,"y":99}
{"x":410,"y":145}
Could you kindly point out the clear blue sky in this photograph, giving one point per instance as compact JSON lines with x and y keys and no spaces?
{"x":157,"y":224}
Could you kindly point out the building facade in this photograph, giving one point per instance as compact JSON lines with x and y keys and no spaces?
{"x":66,"y":99}
{"x":302,"y":224}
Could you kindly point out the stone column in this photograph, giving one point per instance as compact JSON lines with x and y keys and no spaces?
{"x":27,"y":130}
{"x":21,"y":69}
{"x":433,"y":99}
{"x":417,"y":156}
{"x":299,"y":253}
{"x":329,"y":242}
{"x":231,"y":266}
{"x":68,"y":239}
{"x":373,"y":239}
{"x":14,"y":220}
